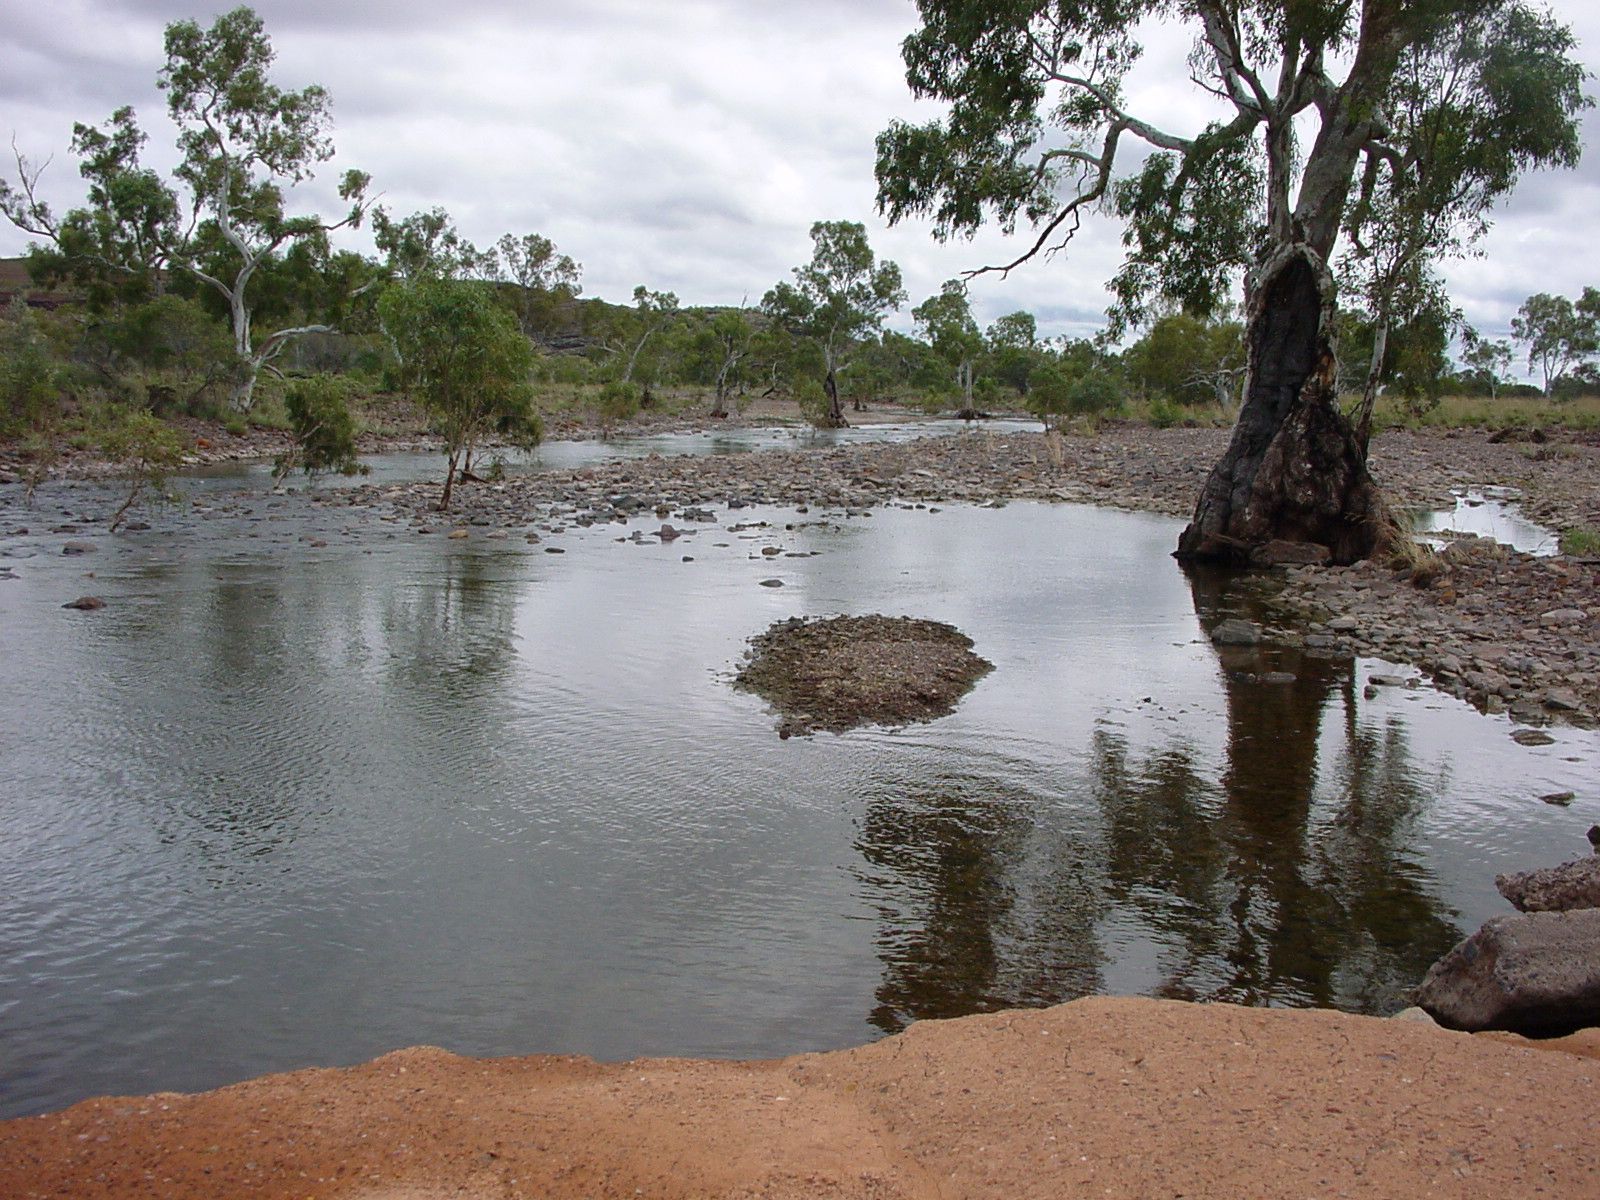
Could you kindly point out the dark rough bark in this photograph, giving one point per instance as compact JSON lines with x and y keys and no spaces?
{"x":835,"y":417}
{"x":1294,"y":470}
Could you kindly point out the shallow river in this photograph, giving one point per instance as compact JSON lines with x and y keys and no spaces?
{"x":280,"y":804}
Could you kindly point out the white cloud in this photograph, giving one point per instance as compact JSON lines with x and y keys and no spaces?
{"x":687,"y":146}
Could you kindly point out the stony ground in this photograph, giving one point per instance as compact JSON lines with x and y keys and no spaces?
{"x":838,"y":673}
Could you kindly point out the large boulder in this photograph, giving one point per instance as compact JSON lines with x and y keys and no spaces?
{"x":1570,"y":886}
{"x":1537,"y":974}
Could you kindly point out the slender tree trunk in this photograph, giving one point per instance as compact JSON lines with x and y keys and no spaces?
{"x":830,"y":384}
{"x":449,"y":480}
{"x":1294,"y":471}
{"x":1369,"y":392}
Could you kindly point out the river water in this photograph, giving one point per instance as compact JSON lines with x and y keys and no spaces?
{"x":282,"y":804}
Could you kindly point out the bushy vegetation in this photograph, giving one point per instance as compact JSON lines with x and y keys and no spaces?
{"x":324,"y":429}
{"x":178,"y":300}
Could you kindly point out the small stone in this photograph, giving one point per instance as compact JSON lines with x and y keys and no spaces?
{"x":1563,"y":699}
{"x":1532,"y":737}
{"x":1561,"y":799}
{"x":1563,"y":616}
{"x":770,"y":551}
{"x":74,"y":548}
{"x":554,"y":550}
{"x":85,"y":603}
{"x":772,"y":583}
{"x":1388,"y":680}
{"x":458,"y":534}
{"x":1235,"y":632}
{"x":1345,"y":624}
{"x":1414,"y":1014}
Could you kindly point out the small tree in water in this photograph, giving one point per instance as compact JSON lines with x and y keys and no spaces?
{"x":1267,"y":186}
{"x":324,"y":430}
{"x":468,"y":361}
{"x":838,"y":298}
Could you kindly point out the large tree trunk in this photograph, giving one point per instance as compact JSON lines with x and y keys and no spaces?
{"x":835,"y":418}
{"x":1294,"y":471}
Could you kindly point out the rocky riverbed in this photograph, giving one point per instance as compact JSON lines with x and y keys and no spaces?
{"x":1507,"y":630}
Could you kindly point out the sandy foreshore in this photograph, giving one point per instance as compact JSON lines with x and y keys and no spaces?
{"x":1098,"y":1098}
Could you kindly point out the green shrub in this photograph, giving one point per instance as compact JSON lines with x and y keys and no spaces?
{"x":324,"y":431}
{"x":146,"y":448}
{"x":812,"y":398}
{"x":618,"y":402}
{"x":1581,"y":542}
{"x":1163,"y":413}
{"x":1093,"y":393}
{"x":1049,"y":394}
{"x":31,"y":379}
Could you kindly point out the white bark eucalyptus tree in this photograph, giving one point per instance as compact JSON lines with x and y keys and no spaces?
{"x":1039,"y":131}
{"x":243,"y":141}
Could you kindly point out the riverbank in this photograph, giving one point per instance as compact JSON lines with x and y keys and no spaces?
{"x":1101,"y":1097}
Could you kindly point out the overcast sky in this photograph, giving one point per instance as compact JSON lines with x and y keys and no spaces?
{"x":687,"y":146}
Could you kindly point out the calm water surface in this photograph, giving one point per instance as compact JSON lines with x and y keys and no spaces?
{"x":281,"y":804}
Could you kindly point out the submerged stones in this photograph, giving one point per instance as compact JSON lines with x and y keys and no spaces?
{"x":843,"y":672}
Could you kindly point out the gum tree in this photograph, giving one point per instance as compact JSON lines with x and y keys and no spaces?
{"x":469,"y":363}
{"x":1039,"y":132}
{"x":841,"y":296}
{"x":1559,"y":334}
{"x":245,"y":141}
{"x":545,"y":279}
{"x":946,"y":321}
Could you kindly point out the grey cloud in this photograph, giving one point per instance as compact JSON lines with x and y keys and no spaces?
{"x":686,"y":145}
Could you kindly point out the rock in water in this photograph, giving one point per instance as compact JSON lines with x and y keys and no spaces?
{"x":1235,"y":632}
{"x":85,"y":603}
{"x":844,"y":672}
{"x":1537,"y":974}
{"x":1570,"y":886}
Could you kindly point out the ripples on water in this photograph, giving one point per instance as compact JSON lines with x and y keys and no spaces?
{"x":277,"y":806}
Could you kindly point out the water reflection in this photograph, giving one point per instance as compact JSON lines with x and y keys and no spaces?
{"x":981,"y":904}
{"x":1267,"y":861}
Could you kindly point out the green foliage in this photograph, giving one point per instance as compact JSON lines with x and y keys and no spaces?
{"x":1049,"y":396}
{"x":468,"y":362}
{"x":169,"y":349}
{"x":1164,"y":414}
{"x":1187,"y":360}
{"x":618,"y":402}
{"x":1094,"y":393}
{"x":323,"y":427}
{"x":1035,"y":131}
{"x":813,"y":400}
{"x":1581,"y":542}
{"x":31,"y":378}
{"x":428,"y":245}
{"x":946,"y":321}
{"x":546,"y":282}
{"x":1560,"y":335}
{"x":837,"y":300}
{"x":146,"y":448}
{"x":1013,"y":345}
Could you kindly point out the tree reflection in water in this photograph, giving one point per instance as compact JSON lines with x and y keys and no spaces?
{"x":1272,"y":868}
{"x":981,"y":905}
